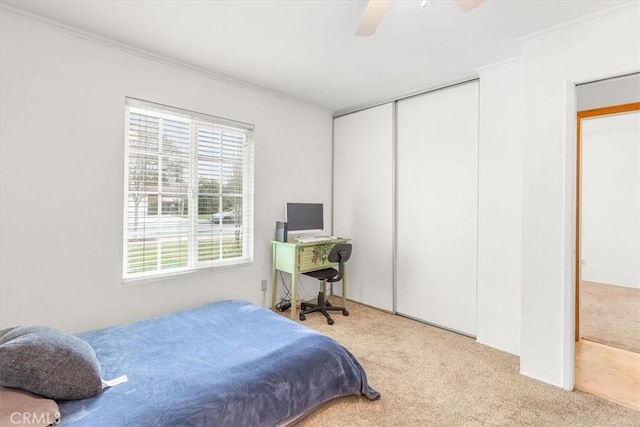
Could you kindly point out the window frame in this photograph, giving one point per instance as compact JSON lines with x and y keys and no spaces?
{"x":196,"y":122}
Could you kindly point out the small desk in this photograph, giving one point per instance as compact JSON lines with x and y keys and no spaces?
{"x":295,"y":257}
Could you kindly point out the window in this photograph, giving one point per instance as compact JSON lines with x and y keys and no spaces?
{"x":188,"y":191}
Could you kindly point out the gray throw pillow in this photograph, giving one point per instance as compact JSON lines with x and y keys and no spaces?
{"x":48,"y":362}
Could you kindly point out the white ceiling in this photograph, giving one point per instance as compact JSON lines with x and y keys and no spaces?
{"x":307,"y":49}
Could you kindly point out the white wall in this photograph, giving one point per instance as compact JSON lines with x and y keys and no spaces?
{"x":500,"y":205}
{"x":605,"y":93}
{"x":61,"y":119}
{"x":610,"y":196}
{"x":602,"y":46}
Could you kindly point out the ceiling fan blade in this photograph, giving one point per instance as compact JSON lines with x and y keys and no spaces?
{"x":371,"y":17}
{"x":467,"y":5}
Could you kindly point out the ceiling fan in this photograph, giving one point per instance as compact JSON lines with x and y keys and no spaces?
{"x":375,"y":9}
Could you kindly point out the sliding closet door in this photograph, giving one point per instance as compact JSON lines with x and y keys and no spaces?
{"x":437,"y":205}
{"x":363,"y":201}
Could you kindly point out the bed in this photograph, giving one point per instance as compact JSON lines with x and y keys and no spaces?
{"x":228,"y":363}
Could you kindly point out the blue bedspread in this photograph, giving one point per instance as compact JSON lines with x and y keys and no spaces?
{"x":229,"y":363}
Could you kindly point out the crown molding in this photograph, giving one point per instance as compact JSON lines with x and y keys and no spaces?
{"x":149,"y":55}
{"x":571,"y":24}
{"x":511,"y":60}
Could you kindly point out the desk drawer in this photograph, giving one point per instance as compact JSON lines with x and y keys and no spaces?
{"x":315,"y":257}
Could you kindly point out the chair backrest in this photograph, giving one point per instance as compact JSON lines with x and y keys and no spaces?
{"x":340,"y":253}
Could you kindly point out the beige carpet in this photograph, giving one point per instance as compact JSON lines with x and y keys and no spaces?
{"x":610,"y":315}
{"x":431,"y":377}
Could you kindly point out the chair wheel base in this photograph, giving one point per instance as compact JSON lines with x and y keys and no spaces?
{"x":322,"y":306}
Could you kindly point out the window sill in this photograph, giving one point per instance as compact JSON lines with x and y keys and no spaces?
{"x":172,"y":275}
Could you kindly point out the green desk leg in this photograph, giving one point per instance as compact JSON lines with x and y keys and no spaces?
{"x":294,"y":296}
{"x":274,"y":286}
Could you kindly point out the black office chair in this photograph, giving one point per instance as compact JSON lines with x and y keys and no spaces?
{"x":340,"y":253}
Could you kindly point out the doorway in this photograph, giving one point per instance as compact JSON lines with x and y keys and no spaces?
{"x":607,"y":332}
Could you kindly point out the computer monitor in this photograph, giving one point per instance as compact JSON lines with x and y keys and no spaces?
{"x":304,"y":217}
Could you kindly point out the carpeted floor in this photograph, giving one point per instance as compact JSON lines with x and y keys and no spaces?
{"x":610,"y":315}
{"x":431,"y":377}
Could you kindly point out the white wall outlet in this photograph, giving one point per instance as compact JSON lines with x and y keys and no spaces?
{"x":263,"y":285}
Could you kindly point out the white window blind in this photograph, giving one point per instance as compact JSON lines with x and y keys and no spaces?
{"x":188,"y":191}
